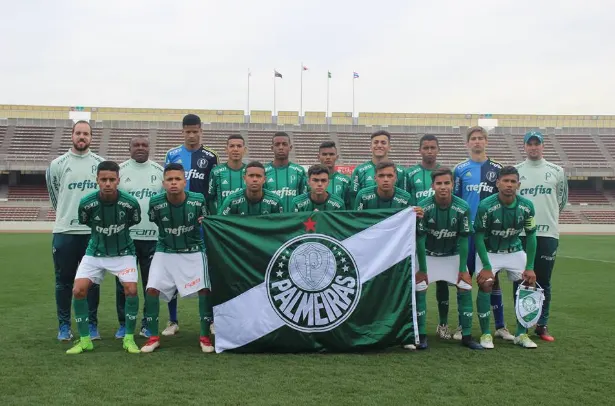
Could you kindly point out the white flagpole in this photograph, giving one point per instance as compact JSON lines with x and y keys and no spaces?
{"x":328,"y":84}
{"x":249,"y":74}
{"x":353,"y":80}
{"x":274,"y":80}
{"x":301,"y":94}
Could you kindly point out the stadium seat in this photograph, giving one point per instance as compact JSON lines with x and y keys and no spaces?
{"x":11,"y":213}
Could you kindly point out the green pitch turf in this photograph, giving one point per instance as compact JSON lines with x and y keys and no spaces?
{"x":576,"y":369}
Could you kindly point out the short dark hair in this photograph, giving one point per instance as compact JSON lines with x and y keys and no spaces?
{"x":236,"y":137}
{"x":317,"y":170}
{"x":442,"y":171}
{"x":173,"y":167}
{"x":137,"y":137}
{"x":191,"y":119}
{"x":327,"y":144}
{"x":81,"y":122}
{"x":108,"y":166}
{"x":255,"y":164}
{"x":429,"y":137}
{"x":385,"y":164}
{"x":508,"y":170}
{"x":381,"y":132}
{"x":476,"y":129}
{"x":281,"y":134}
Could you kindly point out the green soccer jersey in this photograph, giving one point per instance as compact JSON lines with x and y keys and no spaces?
{"x":368,"y":199}
{"x":305,"y":203}
{"x":364,"y":176}
{"x":142,"y":181}
{"x":179,"y":229}
{"x":287,"y":182}
{"x":443,"y":226}
{"x":70,"y":177}
{"x":223,"y":182}
{"x":418,"y":182}
{"x":110,"y":224}
{"x":502,"y":224}
{"x":339,"y":185}
{"x":238,"y":203}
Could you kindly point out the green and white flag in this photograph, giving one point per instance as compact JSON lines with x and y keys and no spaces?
{"x":312,"y":281}
{"x":528,"y":305}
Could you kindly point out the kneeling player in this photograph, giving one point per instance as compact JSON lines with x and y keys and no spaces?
{"x":110,"y":213}
{"x":318,"y":199}
{"x":179,"y":262}
{"x":499,"y":221}
{"x":442,"y":252}
{"x":253,"y":199}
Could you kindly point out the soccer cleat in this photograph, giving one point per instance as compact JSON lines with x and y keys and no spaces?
{"x":442,"y":332}
{"x":543,"y":333}
{"x":486,"y":341}
{"x":151,"y":344}
{"x":422,"y":342}
{"x":467,"y":341}
{"x":130,"y":346}
{"x":171,"y":330}
{"x":525,"y":341}
{"x":81,"y":345}
{"x":145,"y":332}
{"x":504,"y":334}
{"x":64,"y":333}
{"x":212,"y":330}
{"x":410,"y":347}
{"x":206,"y":345}
{"x":94,"y":335}
{"x":458,"y":334}
{"x":121,"y":332}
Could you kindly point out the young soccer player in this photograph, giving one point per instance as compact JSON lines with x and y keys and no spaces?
{"x":339,"y":184}
{"x":318,"y":198}
{"x":284,"y":178}
{"x":227,"y":178}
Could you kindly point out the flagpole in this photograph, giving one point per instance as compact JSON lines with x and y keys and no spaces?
{"x":274,"y":80}
{"x":353,"y":80}
{"x":249,"y":74}
{"x":301,"y":94}
{"x":328,"y":82}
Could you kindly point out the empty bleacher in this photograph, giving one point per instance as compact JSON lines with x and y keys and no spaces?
{"x":354,"y":147}
{"x":587,"y":197}
{"x":119,"y":142}
{"x":570,"y":217}
{"x":2,"y":134}
{"x":306,"y":146}
{"x":31,"y":142}
{"x":28,"y":192}
{"x":260,"y":145}
{"x":600,"y":216}
{"x":18,"y":213}
{"x":581,"y":148}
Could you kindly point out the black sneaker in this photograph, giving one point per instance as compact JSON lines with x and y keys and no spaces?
{"x":422,"y":342}
{"x":467,"y":341}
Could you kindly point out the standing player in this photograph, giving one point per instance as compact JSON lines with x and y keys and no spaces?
{"x":197,"y":161}
{"x":69,"y":178}
{"x":500,"y":220}
{"x":475,"y":180}
{"x":385,"y":195}
{"x":253,"y":199}
{"x":142,"y":179}
{"x":228,"y":178}
{"x":318,"y":198}
{"x":339,"y":184}
{"x":545,"y":185}
{"x":284,"y":178}
{"x":109,"y":213}
{"x":442,"y":252}
{"x":179,"y":263}
{"x":364,"y":175}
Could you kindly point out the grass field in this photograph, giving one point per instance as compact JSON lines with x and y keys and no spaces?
{"x":579,"y":368}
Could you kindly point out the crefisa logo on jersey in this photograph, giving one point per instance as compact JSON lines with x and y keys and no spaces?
{"x":313,"y":283}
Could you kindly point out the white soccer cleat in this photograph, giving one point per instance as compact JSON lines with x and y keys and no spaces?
{"x":212,"y":330}
{"x":171,"y":330}
{"x":458,"y":334}
{"x":410,"y":347}
{"x":486,"y":341}
{"x":504,"y":334}
{"x":442,"y":332}
{"x":525,"y":341}
{"x":151,"y":345}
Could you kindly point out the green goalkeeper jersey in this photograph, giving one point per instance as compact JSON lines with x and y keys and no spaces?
{"x":142,"y":181}
{"x":546,"y":186}
{"x":110,"y":224}
{"x":179,"y":229}
{"x":368,"y":199}
{"x":287,"y":182}
{"x":503,"y":224}
{"x":418,"y":182}
{"x":238,"y":203}
{"x":305,"y":203}
{"x":364,"y":176}
{"x":223,"y":181}
{"x":443,"y":226}
{"x":70,"y":177}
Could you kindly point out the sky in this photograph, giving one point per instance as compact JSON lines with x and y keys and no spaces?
{"x":439,"y":56}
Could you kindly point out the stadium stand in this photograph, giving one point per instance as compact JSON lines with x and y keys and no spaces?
{"x":66,"y":141}
{"x":570,"y":217}
{"x":11,"y":213}
{"x":580,"y":146}
{"x":119,"y":143}
{"x":600,"y":217}
{"x":2,"y":134}
{"x":259,"y":145}
{"x":306,"y":146}
{"x":28,"y":192}
{"x":31,"y":142}
{"x":587,"y":196}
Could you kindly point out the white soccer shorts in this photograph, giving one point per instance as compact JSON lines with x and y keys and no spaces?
{"x":445,"y":269}
{"x":184,"y":272}
{"x":93,"y":268}
{"x":512,"y":263}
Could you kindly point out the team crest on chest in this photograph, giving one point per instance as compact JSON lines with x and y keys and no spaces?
{"x":202,"y":163}
{"x":491,"y":176}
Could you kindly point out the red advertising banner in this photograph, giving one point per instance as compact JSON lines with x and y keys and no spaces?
{"x":345,"y":169}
